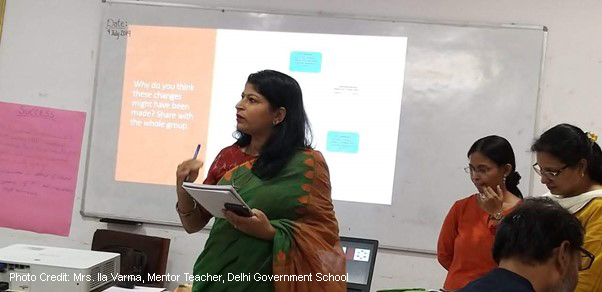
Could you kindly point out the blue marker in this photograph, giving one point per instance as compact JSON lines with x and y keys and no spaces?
{"x":196,"y":152}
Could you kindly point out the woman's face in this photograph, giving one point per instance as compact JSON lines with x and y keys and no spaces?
{"x":254,"y":115}
{"x":558,"y":177}
{"x":484,"y":172}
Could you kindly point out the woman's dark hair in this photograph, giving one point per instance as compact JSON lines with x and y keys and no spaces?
{"x":290,"y":135}
{"x":534,"y":229}
{"x":570,"y":144}
{"x":499,"y":151}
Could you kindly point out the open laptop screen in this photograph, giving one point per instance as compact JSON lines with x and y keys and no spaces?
{"x":361,"y":256}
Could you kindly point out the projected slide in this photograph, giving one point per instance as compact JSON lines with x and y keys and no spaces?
{"x":165,"y":102}
{"x":181,"y":85}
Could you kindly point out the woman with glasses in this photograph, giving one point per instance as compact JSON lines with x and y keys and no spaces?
{"x":466,"y":237}
{"x":569,"y":162}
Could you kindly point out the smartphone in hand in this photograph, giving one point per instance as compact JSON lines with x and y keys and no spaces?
{"x":239,"y":210}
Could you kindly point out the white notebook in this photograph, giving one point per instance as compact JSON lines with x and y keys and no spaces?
{"x":213,"y":197}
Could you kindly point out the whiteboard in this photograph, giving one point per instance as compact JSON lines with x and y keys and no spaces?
{"x":462,"y":82}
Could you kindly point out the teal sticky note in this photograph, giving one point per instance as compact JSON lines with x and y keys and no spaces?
{"x":310,"y":62}
{"x":342,"y":142}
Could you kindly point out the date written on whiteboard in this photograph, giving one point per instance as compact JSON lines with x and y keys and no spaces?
{"x":118,"y":28}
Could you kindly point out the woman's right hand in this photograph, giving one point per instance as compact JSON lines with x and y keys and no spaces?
{"x":188,"y":171}
{"x":192,"y":216}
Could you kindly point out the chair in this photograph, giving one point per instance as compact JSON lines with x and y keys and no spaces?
{"x":361,"y":257}
{"x":140,"y":254}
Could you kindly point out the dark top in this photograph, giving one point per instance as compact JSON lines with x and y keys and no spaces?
{"x":499,"y":280}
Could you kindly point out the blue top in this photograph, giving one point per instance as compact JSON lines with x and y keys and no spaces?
{"x":499,"y":280}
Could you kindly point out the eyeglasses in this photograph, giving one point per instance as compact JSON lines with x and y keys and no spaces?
{"x":479,"y":170}
{"x":551,"y":174}
{"x":587,"y":259}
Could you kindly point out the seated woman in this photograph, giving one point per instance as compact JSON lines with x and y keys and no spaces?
{"x":569,"y":162}
{"x":466,"y":237}
{"x":293,"y":230}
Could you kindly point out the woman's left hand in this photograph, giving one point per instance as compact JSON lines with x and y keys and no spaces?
{"x":491,"y":201}
{"x":257,"y":225}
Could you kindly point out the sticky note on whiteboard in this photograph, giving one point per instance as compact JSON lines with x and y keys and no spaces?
{"x":346,"y":142}
{"x":310,"y":62}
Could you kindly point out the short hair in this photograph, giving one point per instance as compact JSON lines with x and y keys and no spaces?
{"x":534,"y":229}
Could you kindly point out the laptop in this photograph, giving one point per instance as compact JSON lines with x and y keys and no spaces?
{"x":361,"y":257}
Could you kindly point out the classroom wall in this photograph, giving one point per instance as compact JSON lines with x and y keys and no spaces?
{"x":48,"y":54}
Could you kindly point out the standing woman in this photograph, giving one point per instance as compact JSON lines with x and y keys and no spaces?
{"x":569,"y":162}
{"x":293,"y":230}
{"x":466,"y":237}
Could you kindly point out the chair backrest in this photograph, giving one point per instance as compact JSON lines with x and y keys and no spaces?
{"x":361,"y":257}
{"x":140,"y":254}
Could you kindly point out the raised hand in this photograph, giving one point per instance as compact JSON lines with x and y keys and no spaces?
{"x":491,"y":201}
